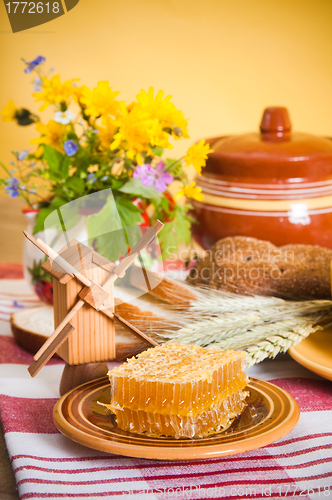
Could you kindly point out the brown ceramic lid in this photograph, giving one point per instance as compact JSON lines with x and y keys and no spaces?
{"x":274,"y":154}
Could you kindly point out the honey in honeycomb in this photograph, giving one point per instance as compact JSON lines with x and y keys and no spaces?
{"x":178,"y":390}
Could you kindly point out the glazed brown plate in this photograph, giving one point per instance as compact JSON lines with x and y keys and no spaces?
{"x":271,"y":414}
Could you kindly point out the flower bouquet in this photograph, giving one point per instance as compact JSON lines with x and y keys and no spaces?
{"x":94,"y":141}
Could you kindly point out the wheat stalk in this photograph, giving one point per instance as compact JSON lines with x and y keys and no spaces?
{"x":261,"y":326}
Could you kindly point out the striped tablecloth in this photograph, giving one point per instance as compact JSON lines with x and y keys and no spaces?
{"x":49,"y":465}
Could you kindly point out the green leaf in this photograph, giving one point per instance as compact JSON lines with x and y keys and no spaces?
{"x":111,"y":245}
{"x":158,"y":150}
{"x":76,"y":184}
{"x":104,"y":221}
{"x":116,"y":184}
{"x":136,"y":188}
{"x":175,"y":233}
{"x":45,"y":212}
{"x":58,"y":164}
{"x":105,"y":231}
{"x":129,"y":214}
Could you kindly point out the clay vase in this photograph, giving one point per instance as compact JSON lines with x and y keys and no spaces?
{"x":274,"y":185}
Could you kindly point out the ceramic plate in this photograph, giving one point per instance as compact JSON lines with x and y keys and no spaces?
{"x":315,"y":353}
{"x":271,"y":414}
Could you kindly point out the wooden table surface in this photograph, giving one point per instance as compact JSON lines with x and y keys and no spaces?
{"x":12,"y":222}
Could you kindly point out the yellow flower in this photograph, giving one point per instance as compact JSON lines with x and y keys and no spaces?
{"x":54,"y":92}
{"x":106,"y":133}
{"x":156,"y":107}
{"x":190,"y":192}
{"x":197,"y":155}
{"x":100,"y":100}
{"x":161,"y":109}
{"x":133,"y":134}
{"x":51,"y":134}
{"x":77,"y":93}
{"x":158,"y":137}
{"x":8,"y":112}
{"x":92,"y":168}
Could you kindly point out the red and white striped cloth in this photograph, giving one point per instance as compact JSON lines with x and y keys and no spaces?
{"x":49,"y":465}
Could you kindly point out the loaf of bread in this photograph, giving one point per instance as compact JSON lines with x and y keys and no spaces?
{"x":247,"y":265}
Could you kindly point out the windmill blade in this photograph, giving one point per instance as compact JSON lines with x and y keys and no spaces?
{"x":52,"y":254}
{"x":133,"y":328}
{"x":120,"y":270}
{"x":51,"y":349}
{"x":42,"y":248}
{"x":120,"y":319}
{"x":63,"y":263}
{"x":138,"y":247}
{"x":57,"y":331}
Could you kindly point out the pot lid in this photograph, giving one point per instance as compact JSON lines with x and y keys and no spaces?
{"x":274,"y":153}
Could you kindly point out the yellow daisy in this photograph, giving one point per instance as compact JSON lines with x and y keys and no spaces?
{"x":133,"y":134}
{"x":190,"y":192}
{"x":8,"y":112}
{"x":51,"y":134}
{"x":106,"y":133}
{"x":161,"y":109}
{"x":197,"y":155}
{"x":54,"y":92}
{"x":100,"y":100}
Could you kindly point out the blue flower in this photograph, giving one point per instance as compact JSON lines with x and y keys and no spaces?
{"x":12,"y":189}
{"x":37,"y":83}
{"x":92,"y":177}
{"x":22,"y":155}
{"x":104,"y":178}
{"x":31,"y":65}
{"x":32,"y":191}
{"x":71,"y":147}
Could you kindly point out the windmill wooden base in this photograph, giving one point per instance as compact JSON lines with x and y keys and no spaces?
{"x":75,"y":375}
{"x":84,"y":317}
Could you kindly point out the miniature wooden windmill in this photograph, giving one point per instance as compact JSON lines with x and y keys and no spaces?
{"x":84,"y":315}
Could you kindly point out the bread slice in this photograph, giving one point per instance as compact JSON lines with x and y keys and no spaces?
{"x":32,"y":327}
{"x":248,"y":265}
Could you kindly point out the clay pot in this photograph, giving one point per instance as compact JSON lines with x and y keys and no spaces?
{"x":273,"y":185}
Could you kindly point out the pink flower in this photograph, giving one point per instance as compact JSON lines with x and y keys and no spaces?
{"x":156,"y":177}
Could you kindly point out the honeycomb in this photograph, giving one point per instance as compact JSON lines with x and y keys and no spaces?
{"x":178,"y":390}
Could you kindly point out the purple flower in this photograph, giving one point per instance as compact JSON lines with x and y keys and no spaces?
{"x":31,"y":65}
{"x":162,"y":178}
{"x":22,"y":155}
{"x":12,"y":189}
{"x":146,"y":173}
{"x":70,"y":147}
{"x":17,"y":304}
{"x":153,"y":176}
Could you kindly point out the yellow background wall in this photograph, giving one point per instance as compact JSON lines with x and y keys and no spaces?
{"x":222,"y":60}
